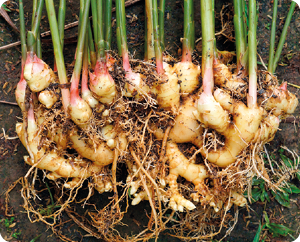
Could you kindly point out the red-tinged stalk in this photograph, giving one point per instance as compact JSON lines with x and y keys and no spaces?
{"x":86,"y":94}
{"x":108,"y":34}
{"x":21,"y":87}
{"x":80,"y":111}
{"x":188,"y":73}
{"x":37,"y":74}
{"x":58,"y":53}
{"x":157,"y":45}
{"x":121,"y":34}
{"x":252,"y":95}
{"x":101,"y":83}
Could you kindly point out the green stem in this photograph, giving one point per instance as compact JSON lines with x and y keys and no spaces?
{"x":213,"y":26}
{"x":108,"y":32}
{"x":188,"y":38}
{"x":22,"y":31}
{"x":31,"y":40}
{"x":91,"y":46}
{"x":240,"y":39}
{"x":272,"y":38}
{"x":149,"y":36}
{"x":157,"y":46}
{"x":283,"y":35}
{"x":39,"y":45}
{"x":34,"y":7}
{"x":161,"y":21}
{"x":245,"y":26}
{"x":61,"y":21}
{"x":121,"y":33}
{"x":95,"y":19}
{"x":100,"y":44}
{"x":58,"y":53}
{"x":252,"y":97}
{"x":208,"y":36}
{"x":80,"y":44}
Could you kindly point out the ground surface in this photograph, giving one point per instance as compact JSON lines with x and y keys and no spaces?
{"x":12,"y":166}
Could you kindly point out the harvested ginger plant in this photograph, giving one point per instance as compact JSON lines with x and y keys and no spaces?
{"x":186,"y":136}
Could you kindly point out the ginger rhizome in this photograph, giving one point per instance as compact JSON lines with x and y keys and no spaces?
{"x":188,"y":135}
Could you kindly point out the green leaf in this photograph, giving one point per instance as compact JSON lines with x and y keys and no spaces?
{"x":278,"y":229}
{"x":256,"y":193}
{"x":5,"y":8}
{"x":293,"y":188}
{"x":257,"y":181}
{"x":282,"y":198}
{"x":129,"y":190}
{"x":16,"y":234}
{"x":257,"y":235}
{"x":298,"y":175}
{"x":34,"y":239}
{"x":266,"y":217}
{"x":286,"y":160}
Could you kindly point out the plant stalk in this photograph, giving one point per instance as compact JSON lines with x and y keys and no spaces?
{"x":80,"y":47}
{"x":283,"y":35}
{"x":272,"y":38}
{"x":207,"y":45}
{"x":252,"y":95}
{"x":61,"y":21}
{"x":157,"y":46}
{"x":95,"y":19}
{"x":121,"y":34}
{"x":32,"y":35}
{"x":161,"y":22}
{"x":58,"y":53}
{"x":240,"y":38}
{"x":149,"y":36}
{"x":108,"y":32}
{"x":91,"y":46}
{"x":22,"y":32}
{"x":100,"y":43}
{"x":188,"y":37}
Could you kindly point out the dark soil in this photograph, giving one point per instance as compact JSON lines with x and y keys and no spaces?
{"x":12,"y":166}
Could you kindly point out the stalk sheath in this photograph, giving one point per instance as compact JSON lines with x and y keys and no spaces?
{"x":283,"y":35}
{"x":108,"y":32}
{"x":100,"y":43}
{"x":188,"y":37}
{"x":22,"y":32}
{"x":95,"y":19}
{"x":149,"y":36}
{"x":157,"y":46}
{"x":58,"y":53}
{"x":207,"y":45}
{"x":252,"y":96}
{"x":61,"y":20}
{"x":240,"y":38}
{"x":272,"y":38}
{"x":161,"y":22}
{"x":121,"y":33}
{"x":32,"y":35}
